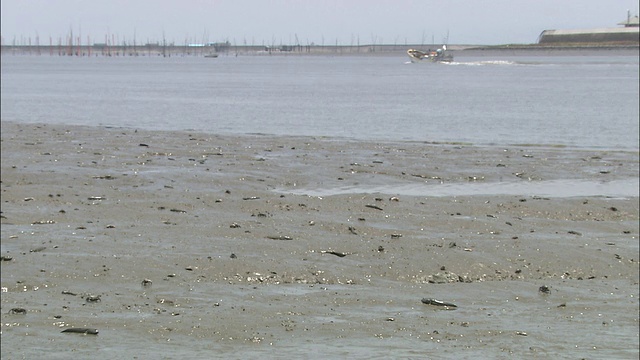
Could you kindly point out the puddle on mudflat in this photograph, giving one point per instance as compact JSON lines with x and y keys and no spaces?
{"x":552,"y":188}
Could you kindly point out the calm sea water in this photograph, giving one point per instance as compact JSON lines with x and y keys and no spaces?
{"x":574,"y":101}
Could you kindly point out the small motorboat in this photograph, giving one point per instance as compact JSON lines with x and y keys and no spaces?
{"x":439,"y":55}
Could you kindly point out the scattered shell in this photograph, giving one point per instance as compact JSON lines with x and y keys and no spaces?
{"x":336,"y":253}
{"x":281,"y":237}
{"x":435,"y":302}
{"x":446,"y":277}
{"x":374,"y":207}
{"x":544,"y":289}
{"x":85,"y":331}
{"x":93,"y":298}
{"x":43,"y":222}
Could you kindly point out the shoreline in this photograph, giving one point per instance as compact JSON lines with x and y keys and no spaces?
{"x":347,"y":139}
{"x":568,"y":49}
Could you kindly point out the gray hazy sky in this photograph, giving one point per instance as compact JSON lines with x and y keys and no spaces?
{"x":275,"y":22}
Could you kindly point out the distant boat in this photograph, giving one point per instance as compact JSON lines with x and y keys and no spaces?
{"x":213,"y":55}
{"x":439,"y":55}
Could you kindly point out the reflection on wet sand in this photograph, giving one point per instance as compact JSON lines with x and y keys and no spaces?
{"x":624,"y":188}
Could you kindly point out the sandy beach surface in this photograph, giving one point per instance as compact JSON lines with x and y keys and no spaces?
{"x":191,"y":245}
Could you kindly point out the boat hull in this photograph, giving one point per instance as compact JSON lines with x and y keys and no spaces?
{"x":439,"y":56}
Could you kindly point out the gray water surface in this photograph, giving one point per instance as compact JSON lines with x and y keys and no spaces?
{"x":574,"y":101}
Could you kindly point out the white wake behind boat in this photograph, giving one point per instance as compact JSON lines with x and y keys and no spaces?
{"x":439,"y":55}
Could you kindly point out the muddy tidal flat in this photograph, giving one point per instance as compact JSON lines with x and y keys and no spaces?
{"x":134,"y":244}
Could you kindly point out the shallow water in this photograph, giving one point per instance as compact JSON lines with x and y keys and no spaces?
{"x":576,"y":101}
{"x":550,"y":188}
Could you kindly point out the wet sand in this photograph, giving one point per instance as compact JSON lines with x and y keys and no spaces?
{"x":191,"y":245}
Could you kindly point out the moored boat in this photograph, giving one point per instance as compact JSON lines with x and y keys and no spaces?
{"x":439,"y":55}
